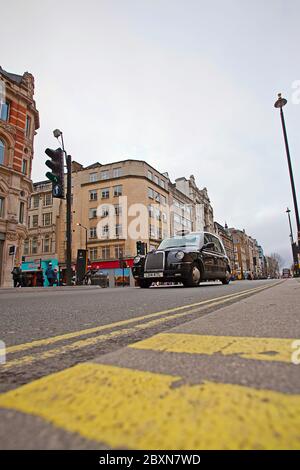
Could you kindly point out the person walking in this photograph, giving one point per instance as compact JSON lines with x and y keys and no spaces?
{"x":50,"y":275}
{"x":16,"y":274}
{"x":39,"y":277}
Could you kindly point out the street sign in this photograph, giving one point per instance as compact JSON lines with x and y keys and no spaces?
{"x":12,"y":250}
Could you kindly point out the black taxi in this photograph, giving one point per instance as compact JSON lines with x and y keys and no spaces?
{"x":189,"y":258}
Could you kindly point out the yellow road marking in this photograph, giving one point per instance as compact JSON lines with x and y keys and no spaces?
{"x":27,"y":360}
{"x":263,"y":349}
{"x":76,"y":334}
{"x":125,"y":408}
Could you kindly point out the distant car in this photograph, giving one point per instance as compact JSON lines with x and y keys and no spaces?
{"x":190,"y":259}
{"x":99,"y":278}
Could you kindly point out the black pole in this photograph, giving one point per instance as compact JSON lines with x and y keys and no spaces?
{"x":291,"y":174}
{"x":69,"y":231}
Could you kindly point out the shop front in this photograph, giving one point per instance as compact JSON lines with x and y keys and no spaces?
{"x":120,"y":276}
{"x":30,"y":271}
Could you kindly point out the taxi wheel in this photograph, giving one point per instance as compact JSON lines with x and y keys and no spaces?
{"x":194,"y":277}
{"x":226,"y":280}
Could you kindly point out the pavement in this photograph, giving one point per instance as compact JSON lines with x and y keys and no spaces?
{"x":227,"y":376}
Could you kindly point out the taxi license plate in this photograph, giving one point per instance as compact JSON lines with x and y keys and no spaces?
{"x":153,"y":274}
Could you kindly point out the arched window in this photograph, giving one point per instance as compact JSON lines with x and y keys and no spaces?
{"x":2,"y":149}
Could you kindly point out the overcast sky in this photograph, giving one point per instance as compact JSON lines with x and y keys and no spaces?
{"x":187,"y":85}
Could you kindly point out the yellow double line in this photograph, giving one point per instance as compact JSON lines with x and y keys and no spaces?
{"x":149,"y":321}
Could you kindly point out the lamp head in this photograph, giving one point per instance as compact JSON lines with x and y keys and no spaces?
{"x":280,"y":102}
{"x":57,"y":133}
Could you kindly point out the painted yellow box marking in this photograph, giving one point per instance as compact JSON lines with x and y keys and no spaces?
{"x":263,"y":349}
{"x":142,"y":410}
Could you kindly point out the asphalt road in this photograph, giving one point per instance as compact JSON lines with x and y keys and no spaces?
{"x":51,"y":329}
{"x":215,"y":367}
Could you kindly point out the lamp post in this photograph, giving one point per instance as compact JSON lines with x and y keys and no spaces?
{"x":86,"y":232}
{"x":293,"y":245}
{"x":279,"y":104}
{"x":58,"y":134}
{"x":290,"y":224}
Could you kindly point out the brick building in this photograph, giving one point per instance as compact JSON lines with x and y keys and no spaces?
{"x":19,"y":120}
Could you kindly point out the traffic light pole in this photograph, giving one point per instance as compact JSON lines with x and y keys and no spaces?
{"x":69,"y":221}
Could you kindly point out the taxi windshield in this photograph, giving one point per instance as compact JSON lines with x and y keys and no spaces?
{"x":180,"y":241}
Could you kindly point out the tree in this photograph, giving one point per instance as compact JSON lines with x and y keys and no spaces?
{"x":274,"y":263}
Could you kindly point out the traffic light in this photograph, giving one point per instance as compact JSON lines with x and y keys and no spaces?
{"x":140,"y":248}
{"x":56,"y":164}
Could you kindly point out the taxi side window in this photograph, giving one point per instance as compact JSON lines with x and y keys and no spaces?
{"x":208,"y":239}
{"x":218,"y":246}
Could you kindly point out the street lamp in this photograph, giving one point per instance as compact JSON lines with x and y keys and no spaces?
{"x":290,"y":224}
{"x":58,"y":134}
{"x":86,"y":233}
{"x":279,"y":104}
{"x":293,"y":244}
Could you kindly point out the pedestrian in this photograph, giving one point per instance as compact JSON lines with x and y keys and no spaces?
{"x":16,"y":274}
{"x":50,"y":275}
{"x":39,"y":277}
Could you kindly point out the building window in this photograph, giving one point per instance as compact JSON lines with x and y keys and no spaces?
{"x":4,"y":110}
{"x":118,"y":209}
{"x":93,"y":254}
{"x":105,"y":193}
{"x":118,"y":230}
{"x":35,"y":220}
{"x":104,"y":175}
{"x":105,"y":252}
{"x":2,"y":152}
{"x":104,"y":211}
{"x":47,"y":219}
{"x":162,"y":183}
{"x":93,"y":177}
{"x":157,"y":213}
{"x":1,"y":206}
{"x":93,"y":232}
{"x":117,"y":191}
{"x":21,"y":212}
{"x":93,"y":195}
{"x":48,"y":199}
{"x":119,"y":251}
{"x":163,"y":200}
{"x":36,"y":201}
{"x":150,"y":211}
{"x":152,"y":231}
{"x":34,"y":246}
{"x":117,"y":172}
{"x":150,"y":193}
{"x":156,"y":180}
{"x":46,"y":244}
{"x":28,"y":126}
{"x":93,"y":213}
{"x":105,"y":231}
{"x":26,"y":247}
{"x":150,"y":176}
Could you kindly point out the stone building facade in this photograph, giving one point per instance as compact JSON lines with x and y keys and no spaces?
{"x":144,"y":203}
{"x":19,"y":120}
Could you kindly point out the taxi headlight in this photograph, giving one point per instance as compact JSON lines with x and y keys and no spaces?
{"x":136,"y":260}
{"x":179,"y":255}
